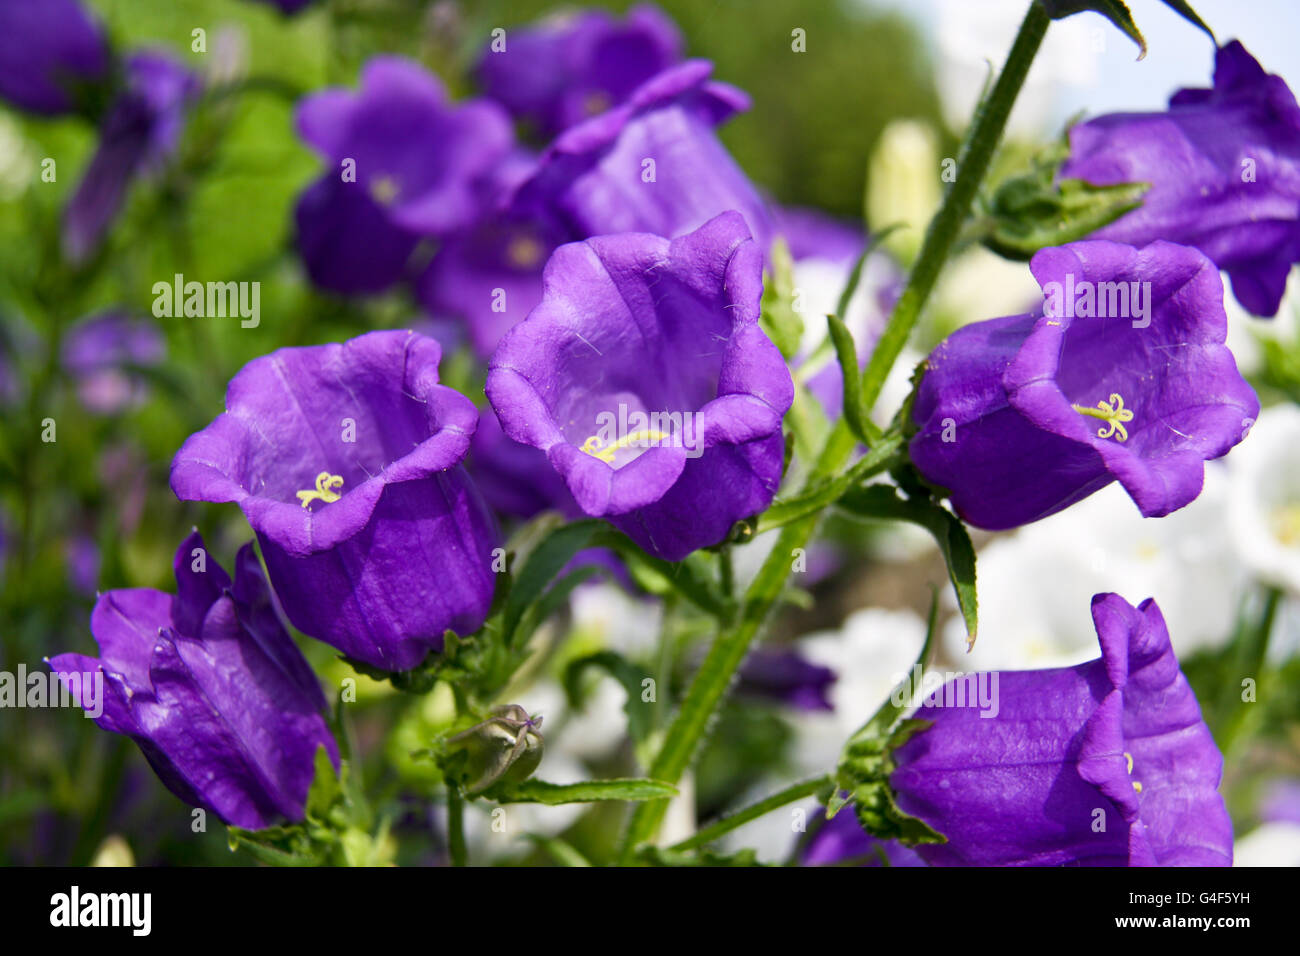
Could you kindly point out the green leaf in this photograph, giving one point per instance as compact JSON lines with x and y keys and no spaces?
{"x":1184,"y":10}
{"x":883,"y":501}
{"x":1034,"y":210}
{"x":543,"y":564}
{"x":639,"y":716}
{"x":659,"y":856}
{"x":778,"y":318}
{"x":278,"y":846}
{"x":590,"y":791}
{"x":1113,"y":10}
{"x":855,"y":410}
{"x":563,"y":852}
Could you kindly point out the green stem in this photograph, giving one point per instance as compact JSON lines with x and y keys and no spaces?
{"x":945,"y":228}
{"x":456,"y":827}
{"x":716,"y":674}
{"x":790,"y":794}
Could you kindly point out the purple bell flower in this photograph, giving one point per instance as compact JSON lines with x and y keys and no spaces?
{"x":653,"y":164}
{"x":841,"y":839}
{"x":139,"y":134}
{"x":646,"y":379}
{"x":568,"y":68}
{"x":786,"y":677}
{"x":346,"y":460}
{"x":98,"y":351}
{"x":47,"y":50}
{"x":1123,"y":375}
{"x":211,"y":687}
{"x":404,"y":163}
{"x":1103,"y":764}
{"x":490,"y":275}
{"x":1224,"y":169}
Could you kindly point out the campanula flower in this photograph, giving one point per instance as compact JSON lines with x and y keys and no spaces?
{"x":139,"y":134}
{"x":211,"y":687}
{"x":48,"y":52}
{"x":346,"y":460}
{"x":489,"y":276}
{"x":400,"y":142}
{"x":1106,"y":763}
{"x":653,"y":164}
{"x":1122,"y":375}
{"x":646,"y":379}
{"x":786,"y":677}
{"x":568,"y":68}
{"x":103,"y":352}
{"x":1224,"y":169}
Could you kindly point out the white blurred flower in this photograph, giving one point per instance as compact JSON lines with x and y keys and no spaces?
{"x":979,"y":284}
{"x":607,"y":613}
{"x":1035,"y":585}
{"x":871,"y":653}
{"x":1264,"y":507}
{"x":1270,"y":844}
{"x":973,"y":40}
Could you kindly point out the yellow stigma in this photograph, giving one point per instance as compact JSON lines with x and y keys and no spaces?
{"x":524,"y":252}
{"x":1129,"y":759}
{"x":326,"y":489}
{"x":596,"y":102}
{"x":596,"y":449}
{"x":383,"y":189}
{"x":1113,"y":413}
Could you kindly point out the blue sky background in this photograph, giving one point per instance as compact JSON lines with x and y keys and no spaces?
{"x":1178,"y":54}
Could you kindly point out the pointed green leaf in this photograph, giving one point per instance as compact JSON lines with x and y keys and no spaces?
{"x":883,"y":502}
{"x":639,"y":716}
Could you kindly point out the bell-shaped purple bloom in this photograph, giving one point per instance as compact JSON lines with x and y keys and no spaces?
{"x":568,"y":68}
{"x":646,"y":379}
{"x":139,"y":133}
{"x":786,"y":677}
{"x":1103,"y":764}
{"x":400,"y":143}
{"x":211,"y":687}
{"x":346,"y":240}
{"x":490,"y":275}
{"x":1224,"y":169}
{"x":48,"y":50}
{"x":346,"y":460}
{"x":653,"y":164}
{"x":1123,"y":375}
{"x":102,"y":352}
{"x":841,"y":839}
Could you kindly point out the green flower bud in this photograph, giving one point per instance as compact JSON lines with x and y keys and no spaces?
{"x":504,"y":748}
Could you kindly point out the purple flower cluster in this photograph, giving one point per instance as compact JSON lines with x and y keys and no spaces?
{"x":611,"y":275}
